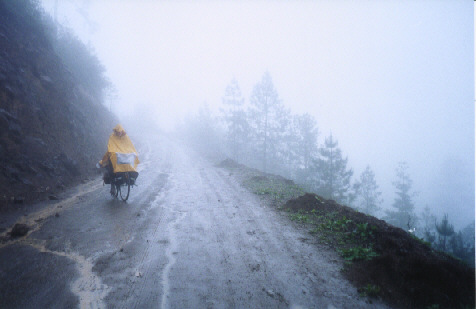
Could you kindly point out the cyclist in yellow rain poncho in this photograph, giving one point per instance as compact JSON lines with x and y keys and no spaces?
{"x":121,"y":155}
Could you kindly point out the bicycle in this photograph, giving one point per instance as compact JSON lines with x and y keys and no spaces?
{"x":121,"y":184}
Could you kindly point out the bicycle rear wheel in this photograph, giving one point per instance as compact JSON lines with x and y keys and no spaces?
{"x":127,"y":184}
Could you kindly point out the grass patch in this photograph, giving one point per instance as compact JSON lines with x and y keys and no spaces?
{"x":301,"y":217}
{"x":353,"y":241}
{"x":276,"y":188}
{"x":358,"y":254}
{"x":422,"y":241}
{"x":370,"y":290}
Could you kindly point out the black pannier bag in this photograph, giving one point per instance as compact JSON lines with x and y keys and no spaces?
{"x":107,"y":178}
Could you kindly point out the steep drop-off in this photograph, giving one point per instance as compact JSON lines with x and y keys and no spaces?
{"x":52,"y":131}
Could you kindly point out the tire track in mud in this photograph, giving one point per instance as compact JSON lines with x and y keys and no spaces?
{"x":134,"y":255}
{"x":263,"y":235}
{"x":147,"y":203}
{"x":218,"y":214}
{"x":279,"y":244}
{"x":88,"y":287}
{"x":170,"y":254}
{"x":252,"y":264}
{"x":144,"y":271}
{"x":170,"y":204}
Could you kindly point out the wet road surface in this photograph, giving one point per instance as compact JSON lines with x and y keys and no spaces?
{"x":189,"y":237}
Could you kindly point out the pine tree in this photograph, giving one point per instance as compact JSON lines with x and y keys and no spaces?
{"x":201,"y":130}
{"x":457,"y":245}
{"x":306,"y":139}
{"x":332,"y":178}
{"x":305,"y":134}
{"x":461,"y":245}
{"x":264,"y":112}
{"x":282,"y":153}
{"x":369,"y":198}
{"x":445,"y":230}
{"x":235,"y":120}
{"x":403,"y":216}
{"x":428,"y":220}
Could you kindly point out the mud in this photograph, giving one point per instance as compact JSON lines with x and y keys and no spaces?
{"x":190,"y":236}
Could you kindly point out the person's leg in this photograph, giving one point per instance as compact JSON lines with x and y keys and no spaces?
{"x":110,"y":172}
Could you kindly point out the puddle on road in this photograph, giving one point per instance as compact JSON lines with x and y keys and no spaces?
{"x":88,"y":287}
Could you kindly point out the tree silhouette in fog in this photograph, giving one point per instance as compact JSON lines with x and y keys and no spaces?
{"x":236,"y":122}
{"x":403,"y":214}
{"x":368,"y":196}
{"x":264,"y":116}
{"x":445,"y":230}
{"x":332,"y":178}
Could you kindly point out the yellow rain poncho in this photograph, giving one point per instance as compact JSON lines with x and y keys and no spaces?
{"x":121,"y":152}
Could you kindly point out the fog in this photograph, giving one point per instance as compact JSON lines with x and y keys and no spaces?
{"x":392,"y":80}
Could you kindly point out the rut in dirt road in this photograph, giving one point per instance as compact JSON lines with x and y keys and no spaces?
{"x":226,"y":249}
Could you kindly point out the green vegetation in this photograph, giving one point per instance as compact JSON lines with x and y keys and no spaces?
{"x":420,"y":240}
{"x":364,"y":231}
{"x":358,"y":254}
{"x":351,"y":239}
{"x":276,"y":188}
{"x":333,"y":224}
{"x":301,"y":217}
{"x":370,"y":290}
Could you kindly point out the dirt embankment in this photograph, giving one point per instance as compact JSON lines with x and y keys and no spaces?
{"x":52,"y":131}
{"x":398,"y":267}
{"x":381,"y":260}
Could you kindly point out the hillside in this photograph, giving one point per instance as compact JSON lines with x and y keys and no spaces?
{"x":52,"y":129}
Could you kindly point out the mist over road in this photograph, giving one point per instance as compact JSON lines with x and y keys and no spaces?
{"x":189,"y":237}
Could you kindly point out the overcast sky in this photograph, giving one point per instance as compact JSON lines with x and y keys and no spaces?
{"x":392,"y":80}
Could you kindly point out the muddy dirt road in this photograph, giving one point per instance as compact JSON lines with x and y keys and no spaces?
{"x":189,"y":237}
